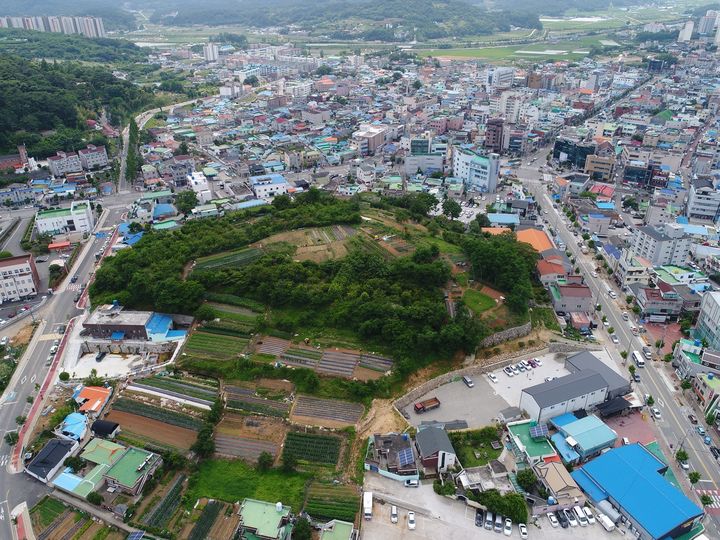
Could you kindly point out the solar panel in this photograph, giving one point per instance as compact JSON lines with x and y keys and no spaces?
{"x":541,"y":430}
{"x":405,"y":456}
{"x":137,"y":535}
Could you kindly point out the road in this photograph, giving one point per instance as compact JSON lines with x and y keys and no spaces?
{"x":12,"y":242}
{"x":657,"y":379}
{"x":32,"y":371}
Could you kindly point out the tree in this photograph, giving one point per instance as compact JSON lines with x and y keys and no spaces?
{"x":265,"y":461}
{"x":632,"y":369}
{"x":204,"y":445}
{"x":94,"y":498}
{"x":5,"y":254}
{"x":186,"y":201}
{"x":302,"y":529}
{"x":451,"y":208}
{"x":11,"y":437}
{"x":681,"y":455}
{"x":64,"y":376}
{"x":205,"y":313}
{"x":76,"y":463}
{"x":611,"y":329}
{"x":182,"y":149}
{"x":417,"y":85}
{"x":482,"y":220}
{"x":135,"y":227}
{"x":527,"y":479}
{"x":706,"y":500}
{"x":694,"y":477}
{"x":20,"y":419}
{"x":685,"y":384}
{"x":252,"y":80}
{"x":289,"y":462}
{"x":623,"y":354}
{"x":324,"y":70}
{"x":650,"y":401}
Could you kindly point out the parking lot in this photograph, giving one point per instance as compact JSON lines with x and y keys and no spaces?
{"x":478,"y":406}
{"x":440,"y":517}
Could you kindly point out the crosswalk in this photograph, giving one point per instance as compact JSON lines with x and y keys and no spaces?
{"x":714,"y":494}
{"x":4,"y":460}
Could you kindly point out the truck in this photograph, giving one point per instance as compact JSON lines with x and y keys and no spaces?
{"x":427,"y":405}
{"x":367,"y":504}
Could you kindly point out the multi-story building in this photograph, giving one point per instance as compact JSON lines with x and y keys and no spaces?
{"x":18,"y":278}
{"x":690,"y":359}
{"x":79,"y":217}
{"x":478,"y":172}
{"x":269,"y":185}
{"x":664,"y":245}
{"x":211,"y":52}
{"x":660,"y":304}
{"x":685,"y":34}
{"x":93,"y":157}
{"x":494,"y":135}
{"x":368,"y":139}
{"x":632,"y":269}
{"x":575,"y":151}
{"x":599,"y":167}
{"x":708,"y":323}
{"x":63,"y":163}
{"x":179,"y":168}
{"x":703,"y":202}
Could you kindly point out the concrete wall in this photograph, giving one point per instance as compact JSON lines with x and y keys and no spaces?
{"x":507,"y":335}
{"x":126,"y":346}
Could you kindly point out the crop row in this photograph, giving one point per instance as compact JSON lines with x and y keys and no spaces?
{"x":256,"y":408}
{"x":205,"y":521}
{"x":331,"y":510}
{"x":313,"y":448}
{"x":233,"y":258}
{"x":180,"y":387}
{"x":214,"y":345}
{"x":163,"y":415}
{"x":165,"y":509}
{"x":305,"y":353}
{"x":238,"y":301}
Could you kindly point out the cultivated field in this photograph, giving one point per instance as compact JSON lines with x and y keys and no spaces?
{"x":314,"y":244}
{"x":187,"y":390}
{"x":312,"y":448}
{"x":162,"y":414}
{"x":204,"y":344}
{"x":154,"y":432}
{"x":246,"y":437}
{"x":235,"y":258}
{"x":159,"y":515}
{"x":244,"y":399}
{"x":328,"y":501}
{"x":272,"y":345}
{"x":326,"y":412}
{"x":239,"y":447}
{"x":205,"y":521}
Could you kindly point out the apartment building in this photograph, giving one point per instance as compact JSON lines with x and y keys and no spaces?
{"x":18,"y":278}
{"x":64,"y":162}
{"x":93,"y":157}
{"x":478,"y":172}
{"x":664,"y":245}
{"x":600,"y":168}
{"x":703,"y":203}
{"x":368,"y":139}
{"x":708,"y":323}
{"x":79,"y":217}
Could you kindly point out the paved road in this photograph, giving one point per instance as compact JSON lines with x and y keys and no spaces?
{"x":12,"y":242}
{"x":59,"y":309}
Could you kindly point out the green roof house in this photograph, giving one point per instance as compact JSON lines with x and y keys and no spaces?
{"x":262,"y":520}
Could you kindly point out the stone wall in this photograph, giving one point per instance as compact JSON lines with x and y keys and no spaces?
{"x":127,"y":346}
{"x":572,"y":347}
{"x":506,"y":335}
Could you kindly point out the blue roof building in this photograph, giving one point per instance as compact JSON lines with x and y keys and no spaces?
{"x":586,"y":436}
{"x":630,"y":478}
{"x":503,"y":219}
{"x":74,"y":426}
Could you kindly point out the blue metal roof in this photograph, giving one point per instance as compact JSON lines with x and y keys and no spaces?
{"x":567,"y":453}
{"x":588,"y":486}
{"x":74,"y":425}
{"x":630,"y":476}
{"x":563,"y":419}
{"x":159,"y":323}
{"x":508,"y":219}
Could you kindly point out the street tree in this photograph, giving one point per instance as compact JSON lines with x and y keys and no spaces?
{"x":681,"y":455}
{"x":694,"y":477}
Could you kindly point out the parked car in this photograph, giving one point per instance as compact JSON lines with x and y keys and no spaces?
{"x":614,"y":339}
{"x":508,"y":371}
{"x":562,"y":519}
{"x":515,"y":370}
{"x":589,"y":515}
{"x":553,"y":519}
{"x":479,"y":518}
{"x":412,"y":483}
{"x":570,"y":517}
{"x":492,"y":377}
{"x":411,"y":521}
{"x":523,"y":530}
{"x":684,"y":465}
{"x":715,"y":451}
{"x":693,"y":419}
{"x":594,"y":274}
{"x":507,"y":530}
{"x":707,"y":440}
{"x":532,"y":363}
{"x":519,"y":367}
{"x":537,"y":361}
{"x":655,"y":412}
{"x":636,"y":377}
{"x":393,"y":514}
{"x":700,"y":430}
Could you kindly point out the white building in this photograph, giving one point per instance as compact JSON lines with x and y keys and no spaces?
{"x":18,"y":278}
{"x":78,"y":218}
{"x":580,"y":390}
{"x":298,"y":89}
{"x":663,"y":245}
{"x":686,"y":33}
{"x":199,"y":184}
{"x":368,"y":139}
{"x":269,"y":185}
{"x":63,"y":163}
{"x":717,"y":36}
{"x":479,"y":172}
{"x":708,"y":323}
{"x":93,"y":157}
{"x":703,"y":203}
{"x":211,"y":52}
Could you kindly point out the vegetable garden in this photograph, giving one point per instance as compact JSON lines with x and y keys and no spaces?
{"x":238,"y":257}
{"x":327,"y":501}
{"x":182,"y":387}
{"x":221,"y":347}
{"x":312,"y":448}
{"x":205,"y":521}
{"x":163,"y":415}
{"x":159,"y":516}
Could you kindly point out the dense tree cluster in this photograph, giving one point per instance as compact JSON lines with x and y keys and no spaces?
{"x":40,"y":96}
{"x":506,"y":264}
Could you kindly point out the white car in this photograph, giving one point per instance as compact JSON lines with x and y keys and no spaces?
{"x":492,"y":377}
{"x":411,"y":521}
{"x":538,"y":361}
{"x":684,"y":465}
{"x":523,"y":530}
{"x":507,"y":530}
{"x":589,"y":515}
{"x":570,"y":515}
{"x":515,"y":370}
{"x":594,"y":274}
{"x":606,"y":323}
{"x":655,"y":412}
{"x":614,"y":339}
{"x":553,"y":520}
{"x":508,"y":371}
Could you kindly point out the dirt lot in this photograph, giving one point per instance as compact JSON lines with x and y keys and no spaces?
{"x":365,"y":374}
{"x":262,"y":428}
{"x":23,"y":336}
{"x":314,"y":244}
{"x":153,"y":430}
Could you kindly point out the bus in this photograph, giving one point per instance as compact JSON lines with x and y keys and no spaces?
{"x":638,"y":359}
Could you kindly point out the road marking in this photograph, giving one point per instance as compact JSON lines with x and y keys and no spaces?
{"x":22,"y":381}
{"x":10,"y":396}
{"x":32,"y":379}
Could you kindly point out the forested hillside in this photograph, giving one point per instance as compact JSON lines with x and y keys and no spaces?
{"x":114,"y":17}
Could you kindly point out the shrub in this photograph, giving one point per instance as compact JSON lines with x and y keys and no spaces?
{"x":64,"y":376}
{"x":94,"y":498}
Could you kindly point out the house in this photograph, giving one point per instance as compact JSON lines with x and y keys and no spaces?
{"x":92,"y":399}
{"x":269,"y":185}
{"x":617,"y":385}
{"x":50,"y":459}
{"x":558,"y":482}
{"x":587,"y":436}
{"x":261,"y":520}
{"x":19,"y":278}
{"x":550,"y":272}
{"x":536,"y":238}
{"x":99,"y":455}
{"x":392,"y":456}
{"x":74,"y":426}
{"x":338,"y":530}
{"x":112,"y":322}
{"x":571,"y":297}
{"x":105,"y":429}
{"x":130,"y":472}
{"x":582,"y":390}
{"x":629,"y":482}
{"x":435,"y":450}
{"x":660,"y":304}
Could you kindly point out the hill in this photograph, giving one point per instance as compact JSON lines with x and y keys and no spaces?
{"x":113,"y":16}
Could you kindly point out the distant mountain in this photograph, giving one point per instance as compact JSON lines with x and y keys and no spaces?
{"x":345,"y":19}
{"x":113,"y":16}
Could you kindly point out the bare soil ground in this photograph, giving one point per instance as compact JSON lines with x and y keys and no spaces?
{"x":23,"y":336}
{"x":64,"y":527}
{"x":253,"y":427}
{"x":153,"y":429}
{"x":314,"y":244}
{"x":365,"y":374}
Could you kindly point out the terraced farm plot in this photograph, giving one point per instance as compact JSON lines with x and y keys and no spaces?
{"x":164,"y":415}
{"x":174,"y":388}
{"x":160,"y":514}
{"x":312,"y":448}
{"x":205,"y":521}
{"x":144,"y":431}
{"x":325,"y":502}
{"x":272,"y":345}
{"x":378,"y":363}
{"x":235,"y":258}
{"x":296,"y":356}
{"x":326,"y":412}
{"x":215,"y":346}
{"x":241,"y":447}
{"x":245,"y":399}
{"x":338,"y":364}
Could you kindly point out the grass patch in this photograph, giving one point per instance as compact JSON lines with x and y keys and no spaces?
{"x":233,"y":481}
{"x":215,"y":345}
{"x":477,"y":301}
{"x":328,"y":502}
{"x":544,"y":316}
{"x":462,"y":279}
{"x":45,"y":512}
{"x":233,"y":300}
{"x":442,"y":245}
{"x":474,"y":447}
{"x":235,"y":258}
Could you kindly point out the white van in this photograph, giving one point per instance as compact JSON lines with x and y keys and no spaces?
{"x":393,"y":514}
{"x":606,"y":522}
{"x":580,"y":515}
{"x":468,"y":381}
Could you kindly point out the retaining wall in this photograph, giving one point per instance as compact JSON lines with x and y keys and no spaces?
{"x":507,"y":335}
